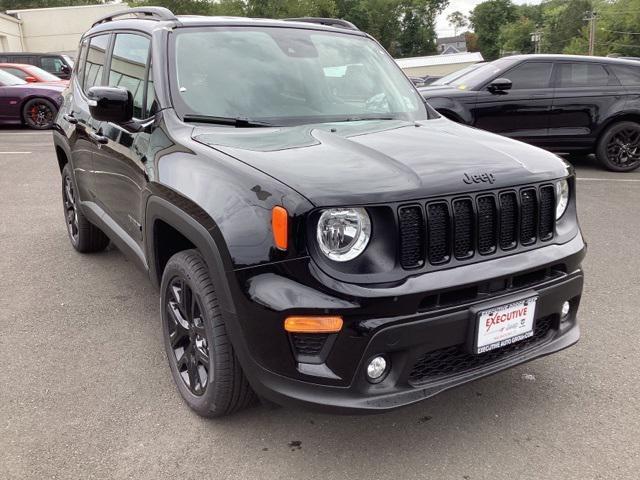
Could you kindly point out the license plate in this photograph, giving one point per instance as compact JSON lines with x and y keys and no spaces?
{"x":505,"y":325}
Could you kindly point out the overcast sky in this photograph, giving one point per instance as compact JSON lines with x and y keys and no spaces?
{"x":445,"y":30}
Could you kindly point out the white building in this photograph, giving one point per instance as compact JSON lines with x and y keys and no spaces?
{"x":437,"y":65}
{"x":50,"y":29}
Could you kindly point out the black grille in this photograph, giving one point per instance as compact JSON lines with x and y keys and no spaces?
{"x":463,"y":221}
{"x":529,"y":217}
{"x":482,"y":224}
{"x":411,"y":236}
{"x":438,"y":231}
{"x":508,"y":220}
{"x":456,"y":359}
{"x":547,"y":212}
{"x":486,"y":225}
{"x":308,"y":343}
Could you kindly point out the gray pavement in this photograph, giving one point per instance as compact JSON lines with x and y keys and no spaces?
{"x":85,"y":390}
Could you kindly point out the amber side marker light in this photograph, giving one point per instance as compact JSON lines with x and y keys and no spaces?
{"x":280,"y":227}
{"x":313,"y":324}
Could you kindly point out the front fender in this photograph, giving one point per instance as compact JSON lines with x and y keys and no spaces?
{"x":447,"y":106}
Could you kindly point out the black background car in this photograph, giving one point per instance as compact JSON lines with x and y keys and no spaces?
{"x":54,"y":63}
{"x":351,"y":253}
{"x":566,"y":104}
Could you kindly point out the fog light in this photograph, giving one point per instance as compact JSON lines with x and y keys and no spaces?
{"x":564,"y":313}
{"x":376,"y":369}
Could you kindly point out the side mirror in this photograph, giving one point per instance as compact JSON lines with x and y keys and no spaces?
{"x":110,"y":104}
{"x":30,"y":79}
{"x":500,"y":85}
{"x":65,"y":69}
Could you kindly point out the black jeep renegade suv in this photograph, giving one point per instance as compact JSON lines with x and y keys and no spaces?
{"x":318,"y":234}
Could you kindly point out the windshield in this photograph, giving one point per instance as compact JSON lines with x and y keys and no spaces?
{"x":447,"y":79}
{"x":289,"y":76}
{"x":479,"y":76}
{"x":7,"y":79}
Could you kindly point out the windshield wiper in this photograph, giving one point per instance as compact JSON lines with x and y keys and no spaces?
{"x":361,"y":119}
{"x":238,"y":122}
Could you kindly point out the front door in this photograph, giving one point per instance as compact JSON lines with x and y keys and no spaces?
{"x":523,"y":111}
{"x":120,"y":163}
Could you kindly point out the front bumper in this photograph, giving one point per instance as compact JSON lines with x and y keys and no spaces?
{"x":409,"y":330}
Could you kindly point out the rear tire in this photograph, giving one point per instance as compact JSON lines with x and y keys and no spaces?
{"x":201,"y":357}
{"x":83,"y":235}
{"x":618,"y":149}
{"x":39,"y":113}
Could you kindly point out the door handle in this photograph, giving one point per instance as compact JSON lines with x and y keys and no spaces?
{"x":70,"y":118}
{"x":99,"y":139}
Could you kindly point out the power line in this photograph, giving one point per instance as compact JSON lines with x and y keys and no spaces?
{"x":623,"y":33}
{"x":619,"y":44}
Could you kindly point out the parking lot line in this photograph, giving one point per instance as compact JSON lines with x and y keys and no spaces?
{"x":589,"y":179}
{"x":13,"y":153}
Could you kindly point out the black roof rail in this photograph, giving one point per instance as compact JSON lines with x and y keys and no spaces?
{"x":145,"y":13}
{"x":330,"y":22}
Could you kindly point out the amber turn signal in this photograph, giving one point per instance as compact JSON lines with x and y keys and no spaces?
{"x":313,"y":324}
{"x":280,"y":227}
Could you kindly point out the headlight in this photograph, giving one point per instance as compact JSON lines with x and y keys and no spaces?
{"x":562,"y":197}
{"x":343,"y":233}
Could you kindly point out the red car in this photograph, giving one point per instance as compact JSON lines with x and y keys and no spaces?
{"x":31,"y":73}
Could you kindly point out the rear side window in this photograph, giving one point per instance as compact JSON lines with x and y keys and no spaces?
{"x":15,"y":71}
{"x":530,"y":75}
{"x":52,"y":64}
{"x":129,"y":67}
{"x":628,"y":76}
{"x":94,"y":66}
{"x":23,"y":59}
{"x":583,"y":75}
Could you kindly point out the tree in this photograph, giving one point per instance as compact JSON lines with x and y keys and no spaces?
{"x":563,"y":20}
{"x":458,"y":21}
{"x":487,"y":19}
{"x":515,"y":37}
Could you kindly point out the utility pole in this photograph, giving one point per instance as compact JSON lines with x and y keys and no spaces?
{"x":591,"y":17}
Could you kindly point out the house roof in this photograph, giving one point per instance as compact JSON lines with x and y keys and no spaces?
{"x":467,"y":57}
{"x":443,"y":40}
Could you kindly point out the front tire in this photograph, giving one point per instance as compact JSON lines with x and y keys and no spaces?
{"x":39,"y":113}
{"x":83,"y":235}
{"x":618,"y":149}
{"x":201,"y":357}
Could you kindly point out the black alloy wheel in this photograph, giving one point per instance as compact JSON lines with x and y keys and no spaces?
{"x":70,"y":209}
{"x":39,"y":113}
{"x":187,"y":336}
{"x":619,"y":147}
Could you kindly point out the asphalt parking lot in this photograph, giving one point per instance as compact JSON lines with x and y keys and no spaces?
{"x":86,"y":392}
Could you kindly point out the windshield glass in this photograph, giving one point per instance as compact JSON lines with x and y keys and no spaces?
{"x":289,"y":76}
{"x":447,"y":79}
{"x":7,"y":79}
{"x":480,"y":75}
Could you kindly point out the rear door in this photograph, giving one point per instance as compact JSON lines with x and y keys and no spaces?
{"x":586,"y":93}
{"x":523,"y":111}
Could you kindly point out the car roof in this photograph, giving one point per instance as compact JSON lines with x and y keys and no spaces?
{"x":19,"y":66}
{"x":181,"y":21}
{"x":574,"y":58}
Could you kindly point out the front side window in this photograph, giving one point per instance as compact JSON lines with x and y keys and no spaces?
{"x":94,"y":66}
{"x":530,"y":75}
{"x":582,"y":75}
{"x":52,"y":64}
{"x":128,"y":67}
{"x":288,"y":76}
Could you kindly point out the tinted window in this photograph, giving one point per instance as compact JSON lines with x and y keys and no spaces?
{"x":14,"y":71}
{"x":94,"y":66}
{"x":582,"y":75}
{"x":80,"y":66}
{"x":627,"y":75}
{"x":22,"y":59}
{"x":530,"y":75}
{"x":151,"y":105}
{"x":128,"y":67}
{"x":52,"y":64}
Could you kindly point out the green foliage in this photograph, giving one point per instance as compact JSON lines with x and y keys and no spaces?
{"x":515,"y":37}
{"x":563,"y":20}
{"x":487,"y":19}
{"x":457,"y":20}
{"x":404,"y":27}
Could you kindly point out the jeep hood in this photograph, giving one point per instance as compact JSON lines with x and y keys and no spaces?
{"x":365,"y":162}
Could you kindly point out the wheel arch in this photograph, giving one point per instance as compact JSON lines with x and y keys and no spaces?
{"x":24,"y":101}
{"x":162,"y":214}
{"x":622,"y":117}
